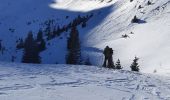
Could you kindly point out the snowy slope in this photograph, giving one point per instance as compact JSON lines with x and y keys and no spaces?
{"x":22,"y":16}
{"x":111,"y":20}
{"x":67,"y":82}
{"x":150,"y":41}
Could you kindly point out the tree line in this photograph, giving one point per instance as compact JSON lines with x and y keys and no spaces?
{"x":33,"y":46}
{"x":52,"y":30}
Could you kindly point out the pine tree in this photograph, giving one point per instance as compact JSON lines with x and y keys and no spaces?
{"x":54,"y":33}
{"x":42,"y":45}
{"x":135,"y":20}
{"x":139,"y":7}
{"x":39,"y":35}
{"x":40,"y":41}
{"x":20,"y":45}
{"x":118,"y":65}
{"x":134,"y":66}
{"x":48,"y":29}
{"x":74,"y":49}
{"x":31,"y":51}
{"x":83,"y":24}
{"x":149,"y":3}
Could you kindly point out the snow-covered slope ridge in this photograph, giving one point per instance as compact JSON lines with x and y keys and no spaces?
{"x":67,"y":82}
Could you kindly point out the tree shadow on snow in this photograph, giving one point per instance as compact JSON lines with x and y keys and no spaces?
{"x":141,"y":21}
{"x":93,"y":49}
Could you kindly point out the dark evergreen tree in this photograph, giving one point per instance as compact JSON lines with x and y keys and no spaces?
{"x":74,"y":49}
{"x":135,"y":20}
{"x":40,"y":36}
{"x":48,"y":29}
{"x":139,"y":7}
{"x":31,"y":51}
{"x":149,"y":3}
{"x":40,"y":41}
{"x":20,"y":45}
{"x":67,"y":17}
{"x":42,"y":45}
{"x":134,"y":66}
{"x":84,"y":24}
{"x":91,"y":15}
{"x":58,"y":31}
{"x":118,"y":65}
{"x":69,"y":25}
{"x":54,"y":32}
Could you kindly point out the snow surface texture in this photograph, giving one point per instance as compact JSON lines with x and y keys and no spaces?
{"x":111,"y":20}
{"x":68,"y":82}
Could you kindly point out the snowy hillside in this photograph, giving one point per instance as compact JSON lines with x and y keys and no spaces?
{"x":149,"y":40}
{"x":44,"y":29}
{"x":66,"y":82}
{"x":111,"y":19}
{"x":19,"y":17}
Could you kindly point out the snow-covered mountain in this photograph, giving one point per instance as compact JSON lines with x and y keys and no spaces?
{"x":111,"y":19}
{"x":149,"y":41}
{"x":20,"y":17}
{"x":108,"y":22}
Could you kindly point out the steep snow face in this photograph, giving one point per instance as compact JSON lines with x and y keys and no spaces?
{"x":68,"y":82}
{"x":147,"y":40}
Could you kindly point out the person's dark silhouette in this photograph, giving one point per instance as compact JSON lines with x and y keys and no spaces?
{"x":108,"y":60}
{"x":106,"y":54}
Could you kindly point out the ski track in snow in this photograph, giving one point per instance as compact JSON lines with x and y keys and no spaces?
{"x":58,"y":81}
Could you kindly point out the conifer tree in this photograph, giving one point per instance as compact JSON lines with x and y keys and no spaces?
{"x":73,"y":46}
{"x":48,"y":29}
{"x":134,"y":66}
{"x":20,"y":45}
{"x":54,"y":33}
{"x":83,"y":24}
{"x":39,"y":35}
{"x":42,"y":45}
{"x":31,"y":51}
{"x":40,"y":41}
{"x":118,"y":65}
{"x":135,"y":19}
{"x":149,"y":3}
